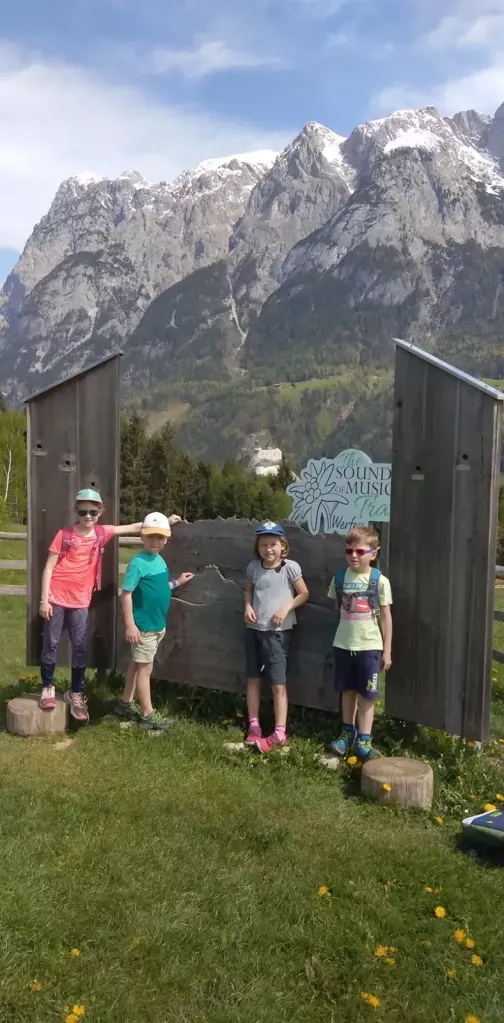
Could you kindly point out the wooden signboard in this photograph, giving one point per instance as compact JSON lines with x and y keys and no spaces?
{"x":445,"y":484}
{"x":73,"y":442}
{"x":204,"y":642}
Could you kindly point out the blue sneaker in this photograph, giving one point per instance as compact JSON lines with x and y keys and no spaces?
{"x":345,"y":742}
{"x":364,"y":749}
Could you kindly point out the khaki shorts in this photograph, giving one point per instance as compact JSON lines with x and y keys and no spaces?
{"x":145,"y":651}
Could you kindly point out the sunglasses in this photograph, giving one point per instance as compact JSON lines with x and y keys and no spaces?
{"x":82,"y":512}
{"x":359,"y":551}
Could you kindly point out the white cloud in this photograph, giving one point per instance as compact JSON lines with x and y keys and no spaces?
{"x":341,"y":40}
{"x":321,"y":8}
{"x":57,"y":119}
{"x":207,"y":57}
{"x":482,"y":89}
{"x":457,"y":31}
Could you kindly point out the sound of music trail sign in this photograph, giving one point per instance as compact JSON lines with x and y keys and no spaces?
{"x":335,"y":494}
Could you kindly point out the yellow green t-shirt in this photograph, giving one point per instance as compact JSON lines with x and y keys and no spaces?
{"x":358,"y":627}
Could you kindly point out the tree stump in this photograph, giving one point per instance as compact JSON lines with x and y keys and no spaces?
{"x":399,"y":780}
{"x":24,"y":716}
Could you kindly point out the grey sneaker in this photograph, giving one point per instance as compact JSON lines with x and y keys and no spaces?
{"x":126,"y":711}
{"x":155,"y":722}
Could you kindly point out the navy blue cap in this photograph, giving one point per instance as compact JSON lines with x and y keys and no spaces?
{"x":270,"y":529}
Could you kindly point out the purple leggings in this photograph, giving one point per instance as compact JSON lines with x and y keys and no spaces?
{"x":76,"y":620}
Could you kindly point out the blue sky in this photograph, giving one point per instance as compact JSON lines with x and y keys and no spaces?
{"x":106,"y":85}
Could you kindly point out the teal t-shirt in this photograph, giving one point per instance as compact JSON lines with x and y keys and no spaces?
{"x":148,"y":579}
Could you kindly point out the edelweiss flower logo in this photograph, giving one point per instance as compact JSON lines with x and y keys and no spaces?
{"x":315,"y":497}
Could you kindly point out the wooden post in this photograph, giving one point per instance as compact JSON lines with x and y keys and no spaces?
{"x":73,"y":442}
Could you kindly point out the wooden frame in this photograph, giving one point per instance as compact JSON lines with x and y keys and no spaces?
{"x":444,"y":506}
{"x":73,"y":442}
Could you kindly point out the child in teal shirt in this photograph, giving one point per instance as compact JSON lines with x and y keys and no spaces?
{"x":146,"y":599}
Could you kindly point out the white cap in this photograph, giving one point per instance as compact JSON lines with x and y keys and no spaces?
{"x":157,"y":523}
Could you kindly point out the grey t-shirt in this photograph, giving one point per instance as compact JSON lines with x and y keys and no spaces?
{"x":272,"y":590}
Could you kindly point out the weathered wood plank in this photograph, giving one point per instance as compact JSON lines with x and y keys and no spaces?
{"x":73,"y":442}
{"x":485,"y":497}
{"x":407,"y":487}
{"x":12,"y":536}
{"x":12,"y":591}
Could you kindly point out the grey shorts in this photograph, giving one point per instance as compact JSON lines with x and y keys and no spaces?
{"x":266,"y":654}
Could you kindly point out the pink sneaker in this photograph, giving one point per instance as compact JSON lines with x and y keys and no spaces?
{"x":266,"y":745}
{"x":47,"y":698}
{"x":254,"y":734}
{"x":78,"y":705}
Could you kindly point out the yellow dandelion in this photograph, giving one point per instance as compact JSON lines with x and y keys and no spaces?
{"x":439,"y":820}
{"x":79,"y":1010}
{"x":390,"y":961}
{"x":451,"y":974}
{"x":501,"y":741}
{"x":476,"y":960}
{"x":440,"y":912}
{"x":470,"y":943}
{"x":71,"y":1018}
{"x":472,"y":1019}
{"x":381,"y":951}
{"x":499,"y":797}
{"x":323,"y":890}
{"x":488,"y":807}
{"x":386,"y":787}
{"x":429,"y":890}
{"x":75,"y":952}
{"x":37,"y":986}
{"x":428,"y":944}
{"x":370,"y":999}
{"x":459,"y":935}
{"x":352,"y":761}
{"x":471,"y":744}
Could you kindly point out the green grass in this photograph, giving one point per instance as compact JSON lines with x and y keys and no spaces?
{"x":187,"y":877}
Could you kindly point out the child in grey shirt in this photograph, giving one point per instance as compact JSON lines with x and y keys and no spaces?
{"x":275,"y":588}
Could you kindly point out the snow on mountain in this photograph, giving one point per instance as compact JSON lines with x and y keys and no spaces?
{"x":199,"y":261}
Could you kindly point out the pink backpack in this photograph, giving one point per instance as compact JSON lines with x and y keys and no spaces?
{"x":99,"y":545}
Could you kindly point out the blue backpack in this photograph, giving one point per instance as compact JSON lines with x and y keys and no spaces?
{"x":371,"y":594}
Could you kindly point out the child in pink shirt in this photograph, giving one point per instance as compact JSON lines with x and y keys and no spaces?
{"x":71,"y":574}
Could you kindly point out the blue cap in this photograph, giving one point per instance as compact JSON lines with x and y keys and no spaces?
{"x":271,"y":529}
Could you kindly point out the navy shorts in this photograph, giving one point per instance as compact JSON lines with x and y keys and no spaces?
{"x":358,"y":671}
{"x":266,"y":654}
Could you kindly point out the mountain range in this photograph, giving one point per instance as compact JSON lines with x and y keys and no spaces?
{"x":259,"y":293}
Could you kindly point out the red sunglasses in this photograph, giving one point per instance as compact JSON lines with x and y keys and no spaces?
{"x":359,"y":551}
